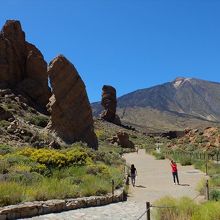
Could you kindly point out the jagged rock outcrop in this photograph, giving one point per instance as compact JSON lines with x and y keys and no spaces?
{"x":5,"y":115}
{"x":122,"y":139}
{"x":71,"y":114}
{"x":109,"y":102}
{"x":173,"y":134}
{"x":22,"y":66}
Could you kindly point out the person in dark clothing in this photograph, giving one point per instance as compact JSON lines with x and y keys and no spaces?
{"x":174,"y":172}
{"x":133,"y":174}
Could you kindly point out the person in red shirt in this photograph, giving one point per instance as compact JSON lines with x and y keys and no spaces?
{"x":174,"y":172}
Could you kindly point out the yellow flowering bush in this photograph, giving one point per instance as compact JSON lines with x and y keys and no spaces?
{"x":56,"y":158}
{"x":20,"y":168}
{"x":27,"y":151}
{"x":40,"y":168}
{"x":96,"y":169}
{"x":49,"y":157}
{"x":78,"y":157}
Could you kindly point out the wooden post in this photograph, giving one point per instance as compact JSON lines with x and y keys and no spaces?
{"x":148,"y":210}
{"x":207,"y":189}
{"x":113,"y":189}
{"x":206,"y":167}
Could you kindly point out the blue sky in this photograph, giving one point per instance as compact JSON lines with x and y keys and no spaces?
{"x":129,"y":44}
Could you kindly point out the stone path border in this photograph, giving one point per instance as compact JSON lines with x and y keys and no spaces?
{"x":30,"y":209}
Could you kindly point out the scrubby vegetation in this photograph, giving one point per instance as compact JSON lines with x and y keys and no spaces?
{"x":39,"y":120}
{"x":29,"y":174}
{"x":186,"y":152}
{"x":186,"y":209}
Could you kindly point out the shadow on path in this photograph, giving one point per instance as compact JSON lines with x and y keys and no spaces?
{"x":184,"y":184}
{"x":140,"y":186}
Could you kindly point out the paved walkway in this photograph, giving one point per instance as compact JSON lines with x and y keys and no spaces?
{"x":154,"y":181}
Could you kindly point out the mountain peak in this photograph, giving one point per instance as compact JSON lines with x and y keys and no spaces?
{"x":179,"y":81}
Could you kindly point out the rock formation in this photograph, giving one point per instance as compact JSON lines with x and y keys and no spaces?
{"x":22,"y":66}
{"x":71,"y":114}
{"x":122,"y":139}
{"x":109,"y":102}
{"x":5,"y":115}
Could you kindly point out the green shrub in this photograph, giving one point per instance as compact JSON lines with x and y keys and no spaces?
{"x":117,"y":175}
{"x":185,"y":161}
{"x":5,"y":149}
{"x":24,"y":178}
{"x":10,"y":193}
{"x":98,"y":169}
{"x":201,"y":186}
{"x":20,"y":168}
{"x":78,"y":157}
{"x":215,"y":180}
{"x":39,"y":120}
{"x":52,"y":188}
{"x":158,"y":156}
{"x":101,"y":135}
{"x":73,"y":171}
{"x":207,"y":211}
{"x":199,"y":164}
{"x":109,"y":157}
{"x":215,"y":194}
{"x":186,"y":209}
{"x":4,"y":123}
{"x":4,"y":165}
{"x":179,"y":209}
{"x":15,"y":158}
{"x":94,"y":185}
{"x":41,"y":169}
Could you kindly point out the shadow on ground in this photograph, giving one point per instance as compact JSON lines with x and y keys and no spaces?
{"x":140,"y":186}
{"x":184,"y":184}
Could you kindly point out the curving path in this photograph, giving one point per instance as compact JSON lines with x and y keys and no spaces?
{"x":153,"y":182}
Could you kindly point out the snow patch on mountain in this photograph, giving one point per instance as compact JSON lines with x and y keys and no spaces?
{"x":178,"y":82}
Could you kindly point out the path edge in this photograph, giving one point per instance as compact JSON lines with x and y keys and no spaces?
{"x":35,"y":208}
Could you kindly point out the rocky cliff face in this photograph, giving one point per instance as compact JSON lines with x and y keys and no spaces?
{"x":71,"y":114}
{"x":22,"y":66}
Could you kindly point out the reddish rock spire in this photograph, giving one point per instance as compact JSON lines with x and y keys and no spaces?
{"x":71,"y":114}
{"x":109,"y":102}
{"x":22,"y":66}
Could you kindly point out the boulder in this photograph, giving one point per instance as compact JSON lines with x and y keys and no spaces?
{"x":22,"y":66}
{"x":122,"y":139}
{"x":109,"y":102}
{"x":4,"y":114}
{"x":71,"y":114}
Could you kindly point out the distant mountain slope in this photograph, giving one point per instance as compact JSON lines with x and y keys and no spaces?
{"x":174,"y":105}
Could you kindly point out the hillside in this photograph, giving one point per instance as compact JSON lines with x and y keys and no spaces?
{"x":184,"y":102}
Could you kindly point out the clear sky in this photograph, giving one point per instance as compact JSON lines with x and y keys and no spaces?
{"x":129,"y":44}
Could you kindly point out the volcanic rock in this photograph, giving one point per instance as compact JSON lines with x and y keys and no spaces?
{"x":22,"y":66}
{"x":4,"y":114}
{"x":122,"y":139}
{"x":71,"y":114}
{"x":109,"y":102}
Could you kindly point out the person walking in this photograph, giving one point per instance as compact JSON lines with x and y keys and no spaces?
{"x":133,"y":174}
{"x":174,"y":172}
